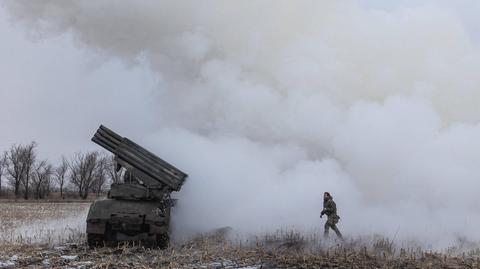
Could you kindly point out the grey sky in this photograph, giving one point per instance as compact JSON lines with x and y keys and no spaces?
{"x":264,"y":105}
{"x":56,"y":93}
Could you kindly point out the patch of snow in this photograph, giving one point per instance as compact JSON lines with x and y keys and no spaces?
{"x":84,"y":263}
{"x":60,"y":248}
{"x":7,"y":264}
{"x":50,"y":231}
{"x":69,"y":258}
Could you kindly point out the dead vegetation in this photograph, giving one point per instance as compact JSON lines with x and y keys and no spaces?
{"x":217,"y":249}
{"x":211,"y":253}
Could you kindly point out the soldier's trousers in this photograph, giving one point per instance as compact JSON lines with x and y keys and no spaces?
{"x":332,"y":224}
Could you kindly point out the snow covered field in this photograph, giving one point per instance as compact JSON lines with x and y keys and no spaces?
{"x":42,"y":223}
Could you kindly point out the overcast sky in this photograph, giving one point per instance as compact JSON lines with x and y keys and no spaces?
{"x":56,"y":92}
{"x":264,"y":104}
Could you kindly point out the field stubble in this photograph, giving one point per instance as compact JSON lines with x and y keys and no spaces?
{"x":52,"y":236}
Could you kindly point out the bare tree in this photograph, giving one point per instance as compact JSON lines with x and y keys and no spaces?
{"x":3,"y":168}
{"x":28,"y":157}
{"x":60,"y":174}
{"x":101,"y":175}
{"x":114,"y":172}
{"x":84,"y":170}
{"x":41,"y":179}
{"x":15,"y":167}
{"x":46,"y":186}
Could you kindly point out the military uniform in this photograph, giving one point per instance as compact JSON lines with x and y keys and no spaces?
{"x":330,"y":209}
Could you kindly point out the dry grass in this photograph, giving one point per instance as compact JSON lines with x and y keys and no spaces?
{"x":211,"y":253}
{"x":59,"y":243}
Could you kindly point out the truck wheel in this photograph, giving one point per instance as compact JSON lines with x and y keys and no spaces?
{"x":162,"y":240}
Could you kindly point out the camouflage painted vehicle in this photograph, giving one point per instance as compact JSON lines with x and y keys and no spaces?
{"x":138,"y":208}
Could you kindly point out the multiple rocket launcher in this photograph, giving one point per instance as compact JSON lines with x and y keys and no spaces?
{"x":148,"y":169}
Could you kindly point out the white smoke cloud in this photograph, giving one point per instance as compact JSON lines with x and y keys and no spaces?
{"x":268,"y":104}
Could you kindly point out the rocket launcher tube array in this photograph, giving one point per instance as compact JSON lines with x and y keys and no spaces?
{"x":141,"y":159}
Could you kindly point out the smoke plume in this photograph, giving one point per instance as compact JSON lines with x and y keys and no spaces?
{"x":268,"y":104}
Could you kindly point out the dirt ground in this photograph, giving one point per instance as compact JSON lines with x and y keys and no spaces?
{"x":52,"y":236}
{"x":219,"y":255}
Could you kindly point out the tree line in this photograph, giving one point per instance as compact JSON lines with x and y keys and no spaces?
{"x":24,"y":175}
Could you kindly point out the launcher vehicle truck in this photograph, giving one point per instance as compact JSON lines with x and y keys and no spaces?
{"x":138,"y":208}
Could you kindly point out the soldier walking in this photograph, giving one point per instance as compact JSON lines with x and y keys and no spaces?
{"x":330,"y":209}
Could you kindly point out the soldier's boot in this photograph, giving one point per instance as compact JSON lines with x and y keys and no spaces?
{"x":337,"y":231}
